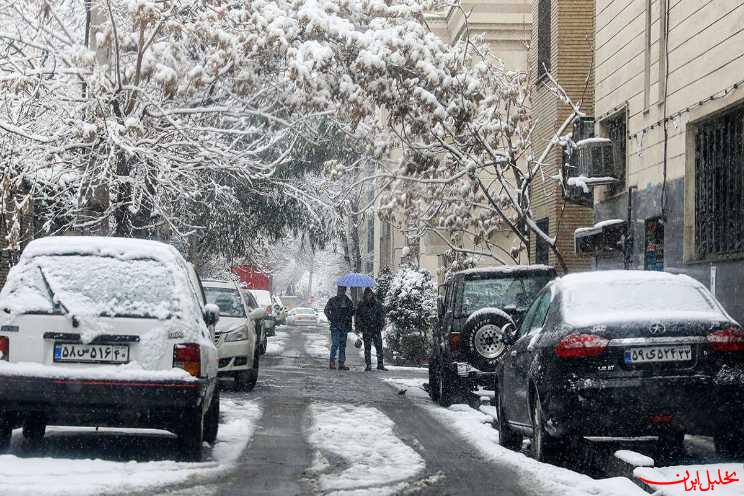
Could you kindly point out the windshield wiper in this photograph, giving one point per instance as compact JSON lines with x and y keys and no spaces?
{"x":58,"y":302}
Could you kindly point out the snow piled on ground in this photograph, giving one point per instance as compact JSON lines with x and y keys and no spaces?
{"x":373,"y":460}
{"x":475,"y":427}
{"x":39,"y":476}
{"x":276,"y":343}
{"x":318,"y":345}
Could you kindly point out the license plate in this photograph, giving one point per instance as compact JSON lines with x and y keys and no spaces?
{"x":91,"y":353}
{"x":651,"y":354}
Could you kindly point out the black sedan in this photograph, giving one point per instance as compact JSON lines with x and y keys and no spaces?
{"x":622,"y":353}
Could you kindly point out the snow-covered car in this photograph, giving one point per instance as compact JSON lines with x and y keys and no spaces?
{"x":302,"y":316}
{"x":235,"y":335}
{"x":264,"y":300}
{"x":475,"y":309}
{"x":280,"y":311}
{"x":622,"y":353}
{"x":252,"y":304}
{"x":107,"y":332}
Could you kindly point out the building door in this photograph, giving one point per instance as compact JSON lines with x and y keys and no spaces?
{"x":654,"y":246}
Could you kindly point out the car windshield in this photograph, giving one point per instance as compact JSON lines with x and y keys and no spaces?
{"x":262,"y":297}
{"x":94,"y":285}
{"x":229,"y":301}
{"x":507,"y":293}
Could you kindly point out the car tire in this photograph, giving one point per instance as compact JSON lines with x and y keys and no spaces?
{"x":481,"y":339}
{"x":34,"y":428}
{"x":448,"y":387}
{"x":729,"y":442}
{"x":6,"y":432}
{"x":212,"y":419}
{"x":545,"y":448}
{"x":508,"y":438}
{"x":434,"y":379}
{"x":671,"y":444}
{"x":191,"y":435}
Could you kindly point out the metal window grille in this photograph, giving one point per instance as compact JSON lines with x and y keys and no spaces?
{"x":543,"y":37}
{"x":617,"y":132}
{"x":583,"y":129}
{"x":719,"y":185}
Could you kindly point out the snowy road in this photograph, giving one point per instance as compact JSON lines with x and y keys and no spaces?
{"x":307,"y":430}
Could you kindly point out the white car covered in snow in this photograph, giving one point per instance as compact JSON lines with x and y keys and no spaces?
{"x":236,"y":337}
{"x":302,"y":316}
{"x":107,"y":332}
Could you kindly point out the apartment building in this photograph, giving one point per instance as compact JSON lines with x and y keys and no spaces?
{"x":669,"y":98}
{"x":562,"y":45}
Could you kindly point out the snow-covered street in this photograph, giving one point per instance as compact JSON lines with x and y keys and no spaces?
{"x":309,"y":430}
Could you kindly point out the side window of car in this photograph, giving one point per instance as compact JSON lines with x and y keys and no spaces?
{"x":541,"y":310}
{"x":528,"y":318}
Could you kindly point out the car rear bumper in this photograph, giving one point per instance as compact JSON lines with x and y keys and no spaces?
{"x":640,"y":406}
{"x":114,"y":403}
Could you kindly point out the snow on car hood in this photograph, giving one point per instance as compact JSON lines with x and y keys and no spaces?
{"x":228,"y":323}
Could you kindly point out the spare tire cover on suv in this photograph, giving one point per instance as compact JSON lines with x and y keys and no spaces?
{"x":481,"y":338}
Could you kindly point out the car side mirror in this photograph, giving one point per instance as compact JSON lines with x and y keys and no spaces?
{"x":257,"y":314}
{"x":211,"y":314}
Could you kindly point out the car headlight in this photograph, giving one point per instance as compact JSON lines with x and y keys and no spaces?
{"x":233,"y":336}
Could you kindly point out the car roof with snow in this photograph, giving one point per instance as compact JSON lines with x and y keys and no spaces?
{"x":218,"y":283}
{"x":507,"y":270}
{"x":122,"y":248}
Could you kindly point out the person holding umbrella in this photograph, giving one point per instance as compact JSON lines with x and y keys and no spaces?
{"x":370,"y":320}
{"x":339,"y":311}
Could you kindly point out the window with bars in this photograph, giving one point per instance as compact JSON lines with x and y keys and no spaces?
{"x":719,"y":186}
{"x":617,"y":131}
{"x":543,"y":37}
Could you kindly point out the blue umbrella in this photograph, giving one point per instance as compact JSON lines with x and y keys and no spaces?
{"x":355,"y":280}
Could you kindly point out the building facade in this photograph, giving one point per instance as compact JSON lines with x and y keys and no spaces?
{"x":562,"y":45}
{"x":668,"y":94}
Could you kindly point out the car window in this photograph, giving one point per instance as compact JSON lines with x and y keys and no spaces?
{"x":528,"y":318}
{"x":229,"y":301}
{"x":510,"y":293}
{"x":541,"y":311}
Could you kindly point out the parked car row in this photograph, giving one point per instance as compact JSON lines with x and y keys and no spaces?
{"x":122,"y":333}
{"x":610,"y":353}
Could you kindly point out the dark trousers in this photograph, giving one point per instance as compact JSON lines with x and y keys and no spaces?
{"x":369,"y":338}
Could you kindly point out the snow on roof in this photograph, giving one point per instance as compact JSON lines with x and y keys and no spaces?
{"x":216,"y":283}
{"x":122,"y":248}
{"x":590,"y":141}
{"x":507,"y":269}
{"x":634,"y":295}
{"x":597,"y":228}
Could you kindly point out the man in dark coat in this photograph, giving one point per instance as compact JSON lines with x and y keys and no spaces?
{"x":370,"y":319}
{"x":339,"y":311}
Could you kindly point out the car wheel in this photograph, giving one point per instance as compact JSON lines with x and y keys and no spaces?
{"x":34,"y":428}
{"x":482,"y":339}
{"x":6,"y":431}
{"x":434,"y":379}
{"x":448,"y":386}
{"x":191,"y":435}
{"x":545,"y":448}
{"x":212,"y":420}
{"x":671,"y":444}
{"x":508,"y":438}
{"x":729,"y":442}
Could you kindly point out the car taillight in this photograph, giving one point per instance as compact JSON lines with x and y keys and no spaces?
{"x":188,"y":357}
{"x":581,"y":346}
{"x":729,"y":339}
{"x":4,"y":348}
{"x":454,"y":341}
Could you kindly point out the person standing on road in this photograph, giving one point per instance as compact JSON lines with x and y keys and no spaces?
{"x":370,"y":320}
{"x":339,"y":311}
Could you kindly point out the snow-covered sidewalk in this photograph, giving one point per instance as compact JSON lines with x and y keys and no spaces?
{"x":25,"y":474}
{"x":276,"y":343}
{"x":357,"y":452}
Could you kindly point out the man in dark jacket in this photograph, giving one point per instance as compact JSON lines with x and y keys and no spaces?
{"x":339,"y":311}
{"x":370,"y":319}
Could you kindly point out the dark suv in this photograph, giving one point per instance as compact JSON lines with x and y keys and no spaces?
{"x":476,"y":307}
